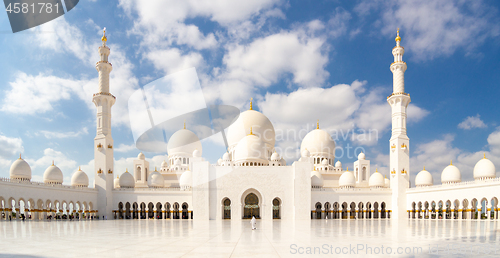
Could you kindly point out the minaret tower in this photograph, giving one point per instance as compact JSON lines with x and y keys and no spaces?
{"x":399,"y":142}
{"x":103,"y":142}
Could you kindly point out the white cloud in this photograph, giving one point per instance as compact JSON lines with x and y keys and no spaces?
{"x":435,"y":28}
{"x":62,"y":135}
{"x":60,"y":159}
{"x":172,"y":60}
{"x":472,"y":122}
{"x":10,"y":146}
{"x":125,"y":148}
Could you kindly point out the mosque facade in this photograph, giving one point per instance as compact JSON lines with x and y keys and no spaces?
{"x":251,"y":178}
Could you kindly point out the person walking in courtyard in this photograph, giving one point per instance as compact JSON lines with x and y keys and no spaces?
{"x":253,"y":222}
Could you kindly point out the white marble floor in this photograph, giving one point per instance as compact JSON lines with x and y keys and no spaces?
{"x":186,"y":238}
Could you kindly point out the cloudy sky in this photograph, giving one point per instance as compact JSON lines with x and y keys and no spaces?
{"x":300,"y":61}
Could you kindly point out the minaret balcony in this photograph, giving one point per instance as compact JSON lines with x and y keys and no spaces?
{"x":104,"y":93}
{"x":399,"y":93}
{"x":101,"y":62}
{"x":99,"y":146}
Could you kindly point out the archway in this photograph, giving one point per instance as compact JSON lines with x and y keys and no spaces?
{"x":494,"y":208}
{"x":276,"y":208}
{"x":318,"y":210}
{"x":353,"y":210}
{"x":167,"y":211}
{"x":344,"y":210}
{"x":474,"y":209}
{"x":176,"y":211}
{"x":226,"y":209}
{"x":375,"y":210}
{"x":127,"y":210}
{"x":135,"y":208}
{"x":360,"y":210}
{"x":465,"y":206}
{"x":327,"y":210}
{"x":383,"y":211}
{"x":335,"y":210}
{"x":251,"y":207}
{"x":368,"y":210}
{"x":143,"y":211}
{"x":484,"y":208}
{"x":159,"y":214}
{"x":120,"y":210}
{"x":185,"y":212}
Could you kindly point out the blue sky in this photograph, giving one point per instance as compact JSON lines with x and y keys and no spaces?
{"x":300,"y":60}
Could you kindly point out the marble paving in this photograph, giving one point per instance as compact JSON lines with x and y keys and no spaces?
{"x":187,"y":238}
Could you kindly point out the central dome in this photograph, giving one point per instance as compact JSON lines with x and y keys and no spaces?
{"x":80,"y":179}
{"x":319,"y":143}
{"x":260,"y":124}
{"x":183,"y":142}
{"x":424,"y":178}
{"x":451,"y":174}
{"x":20,"y":170}
{"x":53,"y":175}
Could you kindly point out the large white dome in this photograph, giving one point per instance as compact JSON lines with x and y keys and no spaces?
{"x":260,"y":124}
{"x":484,"y":169}
{"x":424,"y":178}
{"x":376,"y":180}
{"x":127,"y":180}
{"x":20,"y":170}
{"x":53,"y":175}
{"x":319,"y":143}
{"x":80,"y":179}
{"x":186,"y":180}
{"x":347,"y":179}
{"x":184,"y":142}
{"x":252,"y":149}
{"x":451,"y":174}
{"x":156,"y":180}
{"x":316,"y":179}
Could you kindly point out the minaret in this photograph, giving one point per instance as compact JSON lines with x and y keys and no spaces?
{"x":399,"y":142}
{"x":103,"y":142}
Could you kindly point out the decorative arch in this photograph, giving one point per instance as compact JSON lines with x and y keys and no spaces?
{"x":226,"y":208}
{"x":251,"y":203}
{"x":277,"y":208}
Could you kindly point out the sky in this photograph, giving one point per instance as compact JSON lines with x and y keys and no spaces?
{"x":301,"y":61}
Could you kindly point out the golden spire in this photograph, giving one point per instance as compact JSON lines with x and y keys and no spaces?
{"x":376,"y":170}
{"x":104,"y":39}
{"x":79,"y":168}
{"x":317,"y":124}
{"x":347,"y":168}
{"x":398,"y":38}
{"x":251,"y":104}
{"x":184,"y":123}
{"x":251,"y":133}
{"x":20,"y":156}
{"x":155,"y":170}
{"x":126,"y":170}
{"x":484,"y":155}
{"x":451,"y":162}
{"x":52,"y":162}
{"x":424,"y":167}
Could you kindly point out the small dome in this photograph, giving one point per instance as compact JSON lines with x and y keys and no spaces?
{"x":184,"y":143}
{"x":225,"y":157}
{"x":116,"y":182}
{"x":451,"y":174}
{"x":347,"y":180}
{"x":127,"y":180}
{"x":376,"y":180}
{"x":141,"y":156}
{"x":219,"y":161}
{"x":338,"y":164}
{"x":186,"y":180}
{"x":80,"y":179}
{"x":484,"y":169}
{"x":424,"y":178}
{"x":53,"y":175}
{"x":306,"y":153}
{"x":196,"y":153}
{"x":316,"y":179}
{"x":387,"y":182}
{"x":155,"y":179}
{"x":275,"y":157}
{"x":361,"y":156}
{"x":319,"y":143}
{"x":251,"y":148}
{"x":164,"y":164}
{"x":20,"y":170}
{"x":324,"y":162}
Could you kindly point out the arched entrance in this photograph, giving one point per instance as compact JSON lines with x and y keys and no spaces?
{"x":227,"y":209}
{"x":251,"y":207}
{"x":276,"y":208}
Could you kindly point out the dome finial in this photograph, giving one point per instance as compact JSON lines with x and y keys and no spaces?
{"x":20,"y":156}
{"x":52,"y":162}
{"x":104,"y":38}
{"x":155,"y":170}
{"x":398,"y":38}
{"x":251,"y":104}
{"x":484,"y":155}
{"x":126,"y":170}
{"x":376,"y":170}
{"x":251,"y":133}
{"x":347,"y":168}
{"x":184,"y":123}
{"x":79,"y":168}
{"x":317,"y":124}
{"x":424,"y":167}
{"x":451,"y":162}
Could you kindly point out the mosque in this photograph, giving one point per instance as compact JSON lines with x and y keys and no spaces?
{"x":251,"y":179}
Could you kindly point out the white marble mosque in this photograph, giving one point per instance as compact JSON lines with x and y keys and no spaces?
{"x":251,"y":178}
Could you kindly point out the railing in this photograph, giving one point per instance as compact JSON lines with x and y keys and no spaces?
{"x":399,"y":93}
{"x":147,"y":189}
{"x":34,"y":183}
{"x":104,"y":93}
{"x":354,"y":189}
{"x":451,"y":185}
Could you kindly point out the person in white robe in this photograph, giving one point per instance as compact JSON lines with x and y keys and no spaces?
{"x":253,"y":222}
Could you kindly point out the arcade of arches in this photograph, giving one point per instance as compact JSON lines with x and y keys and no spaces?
{"x":153,"y":211}
{"x":465,"y":209}
{"x":350,"y":211}
{"x":21,"y":209}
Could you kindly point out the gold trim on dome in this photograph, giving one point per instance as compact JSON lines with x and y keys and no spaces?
{"x":317,"y":124}
{"x":251,"y":104}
